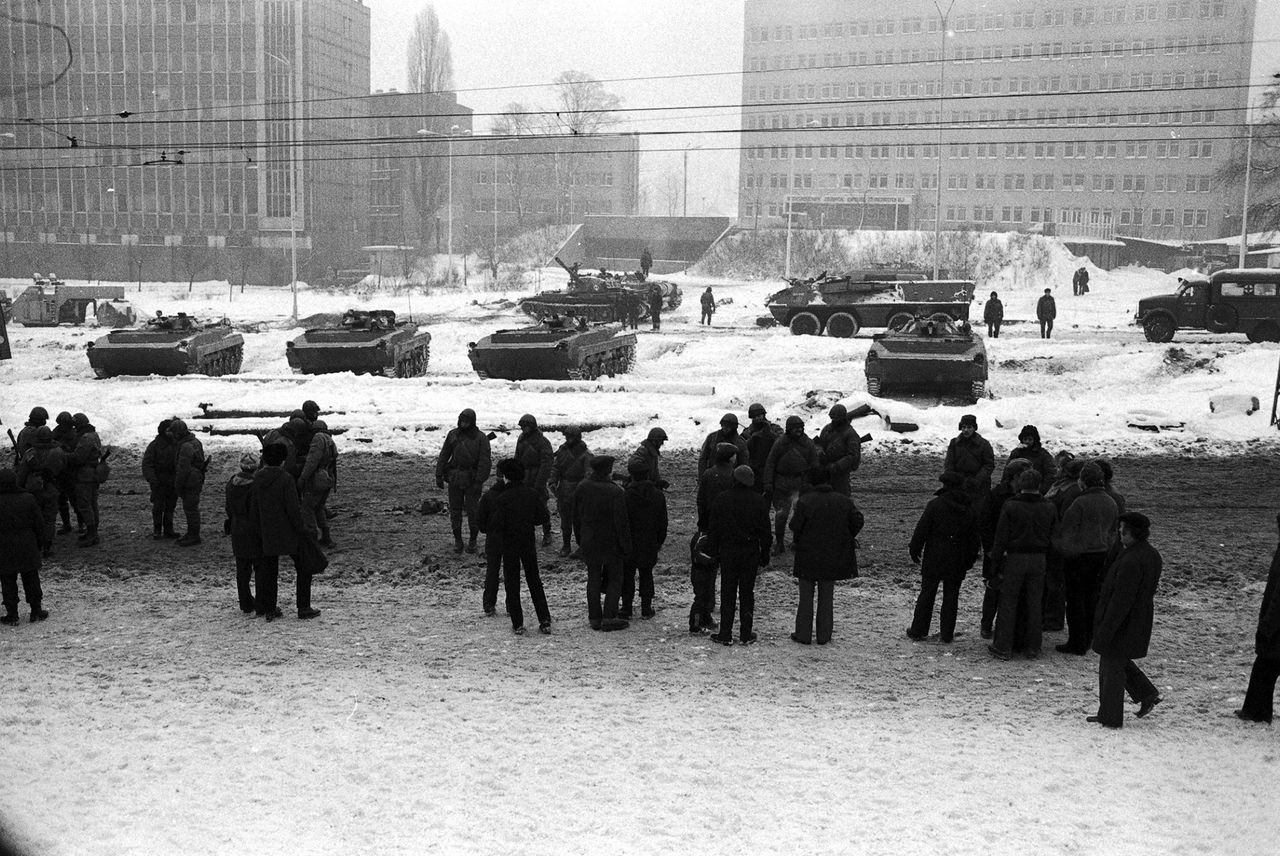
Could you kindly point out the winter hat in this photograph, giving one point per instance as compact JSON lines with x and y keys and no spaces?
{"x":1091,"y":475}
{"x":298,"y":425}
{"x":163,"y":428}
{"x":1029,"y":431}
{"x":993,"y":294}
{"x":637,"y":468}
{"x":755,"y":410}
{"x":298,"y":414}
{"x":657,"y":435}
{"x":248,"y":462}
{"x":951,"y":479}
{"x":511,"y":470}
{"x":1138,"y":524}
{"x":320,"y":427}
{"x":8,"y":478}
{"x":528,"y":419}
{"x":838,"y":413}
{"x":970,"y":420}
{"x":274,"y":455}
{"x":1073,"y":467}
{"x":725,"y":451}
{"x":467,"y":417}
{"x":601,"y":463}
{"x":38,"y":416}
{"x":794,"y":422}
{"x":742,"y":474}
{"x":178,"y":428}
{"x":1028,"y":480}
{"x":729,"y":419}
{"x":1014,"y":467}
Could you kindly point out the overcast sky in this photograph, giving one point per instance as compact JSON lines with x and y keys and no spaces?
{"x":507,"y":50}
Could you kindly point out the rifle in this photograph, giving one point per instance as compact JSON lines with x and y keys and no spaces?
{"x":14,"y":441}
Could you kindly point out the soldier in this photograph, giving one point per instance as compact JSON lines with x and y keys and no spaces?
{"x":568,"y":469}
{"x":38,"y":473}
{"x":84,"y":463}
{"x":464,"y":464}
{"x":840,"y":449}
{"x":708,"y":301}
{"x":27,"y":436}
{"x":649,"y":453}
{"x":64,"y":434}
{"x":533,"y":451}
{"x":21,"y":539}
{"x":188,"y":478}
{"x":600,"y":521}
{"x":727,"y":433}
{"x":295,"y":436}
{"x":760,"y":435}
{"x":739,"y":537}
{"x":993,"y":315}
{"x":243,"y":528}
{"x":159,"y":464}
{"x":790,"y":458}
{"x":655,"y":305}
{"x":646,"y":262}
{"x":1046,"y":311}
{"x":319,"y":477}
{"x":970,"y":456}
{"x":647,"y":519}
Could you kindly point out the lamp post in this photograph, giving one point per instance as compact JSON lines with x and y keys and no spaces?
{"x":786,"y":274}
{"x":1248,"y":169}
{"x":293,"y":191}
{"x":942,"y":83}
{"x":455,"y":130}
{"x":495,"y":214}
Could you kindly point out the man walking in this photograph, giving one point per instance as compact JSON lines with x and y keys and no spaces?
{"x":600,"y":521}
{"x":1122,"y":627}
{"x":739,"y":536}
{"x":1046,"y":311}
{"x":464,"y":464}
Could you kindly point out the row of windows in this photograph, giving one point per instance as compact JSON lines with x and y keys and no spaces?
{"x":1180,"y":115}
{"x":1190,"y":218}
{"x":1101,"y":182}
{"x":482,"y":204}
{"x":1080,"y":16}
{"x":1102,"y":149}
{"x":546,"y":178}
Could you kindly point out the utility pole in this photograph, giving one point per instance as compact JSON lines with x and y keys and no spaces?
{"x":942,"y":85}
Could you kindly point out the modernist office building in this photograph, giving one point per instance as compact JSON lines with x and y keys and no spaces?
{"x":144,"y":137}
{"x":1078,"y":117}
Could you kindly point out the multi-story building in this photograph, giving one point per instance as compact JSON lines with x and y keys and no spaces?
{"x":156,"y":135}
{"x":1087,"y":118}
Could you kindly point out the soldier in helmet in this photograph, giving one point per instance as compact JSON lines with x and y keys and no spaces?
{"x":840,"y":449}
{"x":533,"y":451}
{"x":727,"y":433}
{"x":295,"y":436}
{"x":27,"y":436}
{"x":319,"y":475}
{"x":38,"y":472}
{"x":64,"y":434}
{"x":464,"y":465}
{"x":568,"y":469}
{"x":759,"y":435}
{"x":190,"y":464}
{"x":159,"y":463}
{"x":84,"y":462}
{"x":790,"y":459}
{"x":649,"y":453}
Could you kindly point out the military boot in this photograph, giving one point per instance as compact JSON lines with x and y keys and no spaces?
{"x":10,"y":614}
{"x":38,"y":614}
{"x":457,"y":541}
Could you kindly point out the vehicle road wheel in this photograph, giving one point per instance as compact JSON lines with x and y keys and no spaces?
{"x":873,"y":386}
{"x":899,"y":320}
{"x":1265,"y":332}
{"x":1223,"y":318}
{"x":805,"y":324}
{"x":843,"y":325}
{"x":1158,"y":328}
{"x":977,"y":390}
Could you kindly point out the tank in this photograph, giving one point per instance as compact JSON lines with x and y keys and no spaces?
{"x":563,"y":348}
{"x":168,"y":345}
{"x":932,"y":353}
{"x":600,"y":297}
{"x":363,"y":342}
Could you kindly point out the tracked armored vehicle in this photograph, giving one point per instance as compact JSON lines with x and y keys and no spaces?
{"x":363,"y":342}
{"x":556,"y":349}
{"x":168,"y":345}
{"x":932,"y":353}
{"x":840,"y":306}
{"x":601,"y":297}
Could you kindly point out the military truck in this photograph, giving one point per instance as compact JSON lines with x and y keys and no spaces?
{"x":1236,"y":300}
{"x":840,"y":306}
{"x":50,"y":302}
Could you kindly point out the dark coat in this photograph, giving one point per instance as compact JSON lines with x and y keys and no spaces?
{"x":1266,"y":641}
{"x":1046,"y":308}
{"x":160,"y":461}
{"x":1025,"y":526}
{"x":1088,"y":525}
{"x":600,"y":521}
{"x":1126,"y":603}
{"x":88,"y":451}
{"x":568,"y":467}
{"x":973,"y":458}
{"x":320,"y":470}
{"x":825,"y":524}
{"x":710,"y":485}
{"x":992,"y":507}
{"x":739,"y":522}
{"x":533,"y":451}
{"x":21,"y":531}
{"x":789,"y":462}
{"x":760,"y":440}
{"x":947,"y":535}
{"x":707,"y":458}
{"x":647,"y":519}
{"x":484,"y":519}
{"x":1041,"y":462}
{"x":48,"y":462}
{"x":649,"y":455}
{"x":246,"y":540}
{"x":275,"y":498}
{"x":464,"y":460}
{"x":517,"y":511}
{"x":26,"y":439}
{"x":188,"y":474}
{"x":841,"y":453}
{"x":993,"y":311}
{"x":708,"y":301}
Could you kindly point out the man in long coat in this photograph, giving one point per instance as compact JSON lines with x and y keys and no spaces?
{"x":1023,"y":536}
{"x":275,"y":497}
{"x":533,"y":451}
{"x":464,"y":464}
{"x":1046,"y":311}
{"x":1122,"y":628}
{"x":84,"y":464}
{"x":945,"y":544}
{"x":21,"y":541}
{"x":242,"y":526}
{"x":1259,"y":698}
{"x":647,"y":520}
{"x":38,"y":471}
{"x":970,"y":455}
{"x":604,"y":536}
{"x":790,"y":459}
{"x":188,"y":478}
{"x":825,"y":526}
{"x":739,"y":536}
{"x":1084,"y":538}
{"x":159,"y":462}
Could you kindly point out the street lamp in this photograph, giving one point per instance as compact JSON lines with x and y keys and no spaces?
{"x":1248,"y":168}
{"x":427,"y":132}
{"x":293,"y":191}
{"x":942,"y":83}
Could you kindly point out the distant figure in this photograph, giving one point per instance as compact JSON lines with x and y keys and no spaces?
{"x":708,"y":306}
{"x":1080,"y":282}
{"x":646,"y":262}
{"x":655,"y":305}
{"x":1046,"y":311}
{"x":993,"y":315}
{"x":1258,"y":699}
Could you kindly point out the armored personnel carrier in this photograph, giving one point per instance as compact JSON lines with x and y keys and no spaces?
{"x":168,"y":345}
{"x":363,"y":342}
{"x":933,"y":353}
{"x":840,"y":306}
{"x":561,"y":348}
{"x":601,"y":297}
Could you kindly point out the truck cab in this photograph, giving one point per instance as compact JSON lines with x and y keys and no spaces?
{"x":1230,"y":301}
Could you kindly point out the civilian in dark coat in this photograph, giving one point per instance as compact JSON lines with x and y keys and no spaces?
{"x":840,"y":449}
{"x":568,"y":469}
{"x":739,"y":537}
{"x":713,"y":481}
{"x":518,"y":512}
{"x":1084,"y":538}
{"x":604,"y":536}
{"x":993,"y":315}
{"x":159,"y":463}
{"x":1023,"y":536}
{"x":242,"y":521}
{"x":492,"y":544}
{"x":21,"y":541}
{"x":1258,"y":699}
{"x":760,"y":435}
{"x":1122,"y":630}
{"x":464,"y":464}
{"x":1061,"y":493}
{"x":275,"y":498}
{"x":726,"y":433}
{"x":825,"y":526}
{"x":995,"y":501}
{"x":1029,"y":448}
{"x":533,"y":451}
{"x":1046,"y":311}
{"x":945,"y":545}
{"x":971,"y":456}
{"x":647,"y":520}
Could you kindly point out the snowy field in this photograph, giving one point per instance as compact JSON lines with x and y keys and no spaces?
{"x":148,"y":717}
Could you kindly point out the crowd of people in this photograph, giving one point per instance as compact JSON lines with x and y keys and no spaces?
{"x":1055,"y":543}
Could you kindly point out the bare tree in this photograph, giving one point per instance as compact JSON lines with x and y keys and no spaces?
{"x":582,"y":104}
{"x":1264,"y":168}
{"x":429,"y":57}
